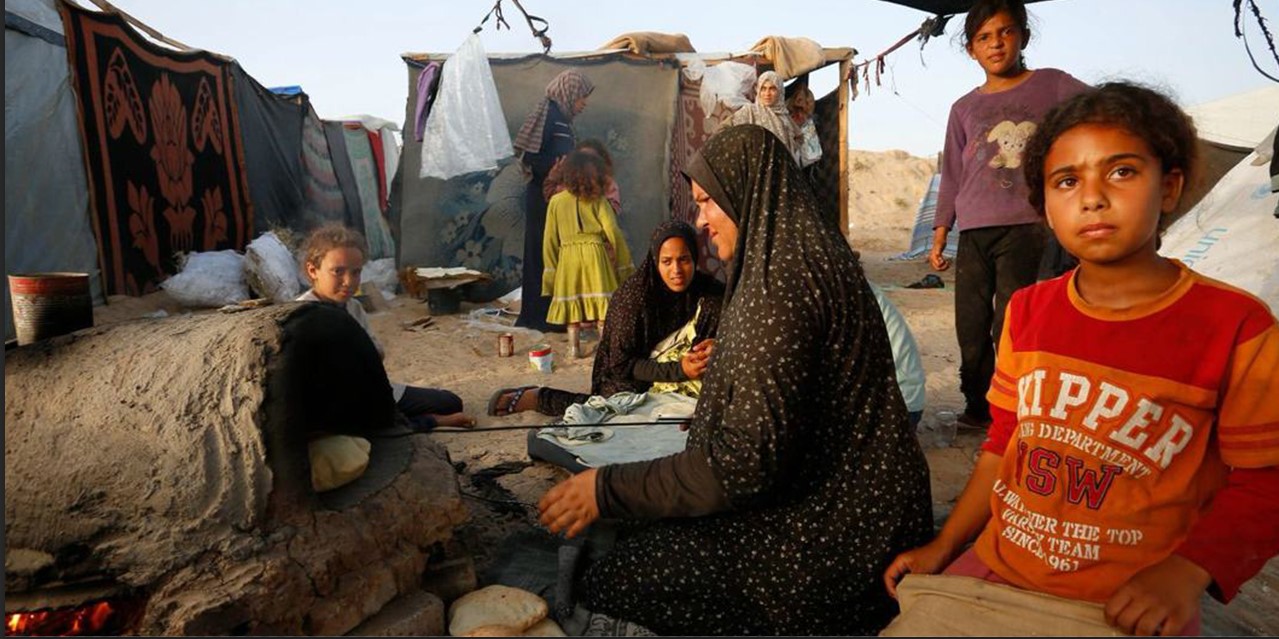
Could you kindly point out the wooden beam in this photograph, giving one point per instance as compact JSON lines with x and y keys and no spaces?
{"x":845,"y":67}
{"x":140,"y":25}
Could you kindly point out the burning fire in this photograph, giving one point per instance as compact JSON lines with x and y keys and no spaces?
{"x":92,"y":619}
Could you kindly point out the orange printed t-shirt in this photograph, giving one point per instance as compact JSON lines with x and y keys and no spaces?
{"x":1125,"y":425}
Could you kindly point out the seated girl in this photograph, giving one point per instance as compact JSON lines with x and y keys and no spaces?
{"x":664,"y":296}
{"x":334,"y":260}
{"x":1133,"y":460}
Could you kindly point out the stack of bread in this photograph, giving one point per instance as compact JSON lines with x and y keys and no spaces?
{"x":501,"y":611}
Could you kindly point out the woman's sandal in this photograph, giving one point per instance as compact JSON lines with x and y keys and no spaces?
{"x":509,"y":409}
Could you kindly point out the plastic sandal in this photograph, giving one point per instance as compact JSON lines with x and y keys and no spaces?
{"x":515,"y":392}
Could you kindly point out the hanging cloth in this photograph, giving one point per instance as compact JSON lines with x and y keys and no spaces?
{"x":466,"y":130}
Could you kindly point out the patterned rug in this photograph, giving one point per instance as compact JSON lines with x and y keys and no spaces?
{"x":163,"y":148}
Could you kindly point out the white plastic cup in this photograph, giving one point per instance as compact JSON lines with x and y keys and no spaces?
{"x":541,"y":358}
{"x":945,"y":428}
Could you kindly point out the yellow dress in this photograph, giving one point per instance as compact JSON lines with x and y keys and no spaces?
{"x":579,"y":274}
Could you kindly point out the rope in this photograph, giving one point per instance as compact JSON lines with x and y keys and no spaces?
{"x":660,"y":422}
{"x":493,"y":429}
{"x":500,"y":23}
{"x":930,"y":28}
{"x":502,"y":502}
{"x":1261,"y":22}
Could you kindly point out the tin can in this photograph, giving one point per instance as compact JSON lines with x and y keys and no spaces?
{"x":505,"y":345}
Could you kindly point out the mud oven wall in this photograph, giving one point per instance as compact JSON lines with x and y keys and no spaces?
{"x":165,"y":462}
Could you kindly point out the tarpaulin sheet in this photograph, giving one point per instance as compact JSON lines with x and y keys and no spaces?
{"x":46,"y":196}
{"x":477,"y":220}
{"x":322,"y":195}
{"x":335,"y":135}
{"x":271,"y":126}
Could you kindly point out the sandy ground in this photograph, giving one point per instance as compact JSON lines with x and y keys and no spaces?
{"x":459,"y":353}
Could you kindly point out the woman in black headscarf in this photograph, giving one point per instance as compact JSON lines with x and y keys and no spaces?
{"x":665,"y":294}
{"x":802,"y":478}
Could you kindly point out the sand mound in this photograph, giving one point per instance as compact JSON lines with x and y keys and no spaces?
{"x":884,"y":190}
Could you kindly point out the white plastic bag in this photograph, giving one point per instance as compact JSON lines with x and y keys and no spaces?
{"x":466,"y":130}
{"x":212,"y":279}
{"x":381,"y":273}
{"x":728,"y":83}
{"x":269,"y":269}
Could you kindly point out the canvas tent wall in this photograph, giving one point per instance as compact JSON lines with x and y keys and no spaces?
{"x":46,"y":197}
{"x":644,"y":109}
{"x":1229,"y":128}
{"x":1232,"y":234}
{"x":281,"y":171}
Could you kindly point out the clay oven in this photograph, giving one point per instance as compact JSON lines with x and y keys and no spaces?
{"x":157,"y":479}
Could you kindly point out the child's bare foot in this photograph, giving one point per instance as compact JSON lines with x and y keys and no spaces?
{"x":455,"y":420}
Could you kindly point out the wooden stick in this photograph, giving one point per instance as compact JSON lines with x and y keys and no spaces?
{"x":142,"y":26}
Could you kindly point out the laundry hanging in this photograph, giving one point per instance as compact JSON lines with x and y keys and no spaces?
{"x":466,"y":130}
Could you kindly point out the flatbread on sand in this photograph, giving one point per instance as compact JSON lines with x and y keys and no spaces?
{"x":511,"y":608}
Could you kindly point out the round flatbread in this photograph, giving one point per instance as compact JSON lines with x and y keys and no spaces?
{"x":545,"y":628}
{"x":510,"y":608}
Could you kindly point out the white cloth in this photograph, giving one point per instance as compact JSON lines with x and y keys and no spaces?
{"x":954,"y":606}
{"x":600,"y":445}
{"x":356,"y":311}
{"x":810,"y":148}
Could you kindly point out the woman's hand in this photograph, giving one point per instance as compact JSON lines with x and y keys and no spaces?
{"x":1159,"y":600}
{"x":928,"y":559}
{"x":695,"y":360}
{"x":570,"y":506}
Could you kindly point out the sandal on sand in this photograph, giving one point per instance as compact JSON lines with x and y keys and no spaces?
{"x":515,"y":393}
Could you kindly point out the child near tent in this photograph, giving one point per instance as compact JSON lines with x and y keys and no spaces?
{"x":1001,"y":239}
{"x":555,"y":182}
{"x":802,"y":104}
{"x":584,"y":253}
{"x":1134,"y":456}
{"x":333,"y":259}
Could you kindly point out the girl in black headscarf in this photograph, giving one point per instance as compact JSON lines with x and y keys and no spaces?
{"x":660,"y":298}
{"x":802,"y":478}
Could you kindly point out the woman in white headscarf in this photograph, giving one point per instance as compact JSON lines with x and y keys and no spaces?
{"x":770,"y":112}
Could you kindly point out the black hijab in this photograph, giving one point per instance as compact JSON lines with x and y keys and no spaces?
{"x":802,"y":478}
{"x":644,"y":311}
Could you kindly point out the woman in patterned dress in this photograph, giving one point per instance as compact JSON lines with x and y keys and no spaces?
{"x":802,"y":478}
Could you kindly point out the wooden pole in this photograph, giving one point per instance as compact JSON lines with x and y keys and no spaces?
{"x":845,"y":67}
{"x":142,"y":26}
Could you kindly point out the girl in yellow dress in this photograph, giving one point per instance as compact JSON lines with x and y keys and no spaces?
{"x":583,"y":250}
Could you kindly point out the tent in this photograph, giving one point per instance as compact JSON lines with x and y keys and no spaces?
{"x":645,"y":108}
{"x":1232,"y":233}
{"x":121,"y":153}
{"x":1239,"y":121}
{"x":46,"y":196}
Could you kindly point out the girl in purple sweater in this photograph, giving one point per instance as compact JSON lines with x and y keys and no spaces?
{"x":1001,"y":239}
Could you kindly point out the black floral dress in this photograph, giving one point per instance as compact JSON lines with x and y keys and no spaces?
{"x":802,"y":478}
{"x":643,"y":312}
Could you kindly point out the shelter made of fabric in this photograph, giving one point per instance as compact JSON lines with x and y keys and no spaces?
{"x":121,"y":153}
{"x":644,"y":109}
{"x":46,"y":195}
